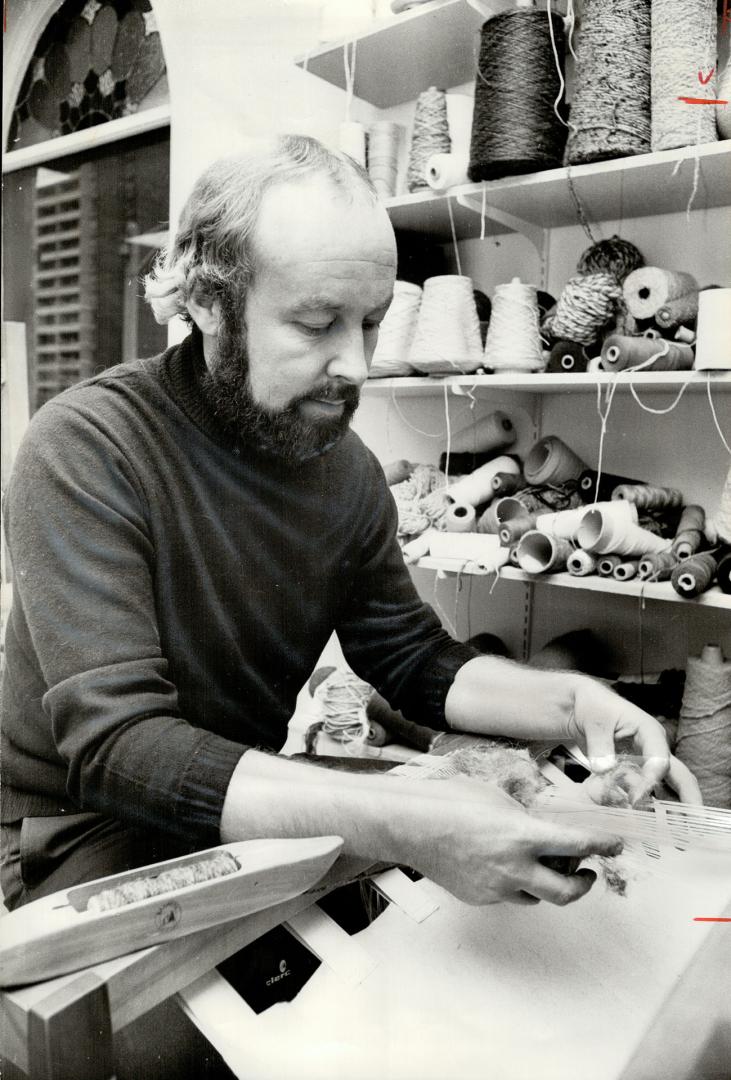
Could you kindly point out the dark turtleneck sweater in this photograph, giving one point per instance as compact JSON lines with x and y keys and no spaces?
{"x":173,"y":590}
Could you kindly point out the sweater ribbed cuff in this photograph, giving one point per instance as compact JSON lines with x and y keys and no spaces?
{"x":204,"y":785}
{"x":431,"y":685}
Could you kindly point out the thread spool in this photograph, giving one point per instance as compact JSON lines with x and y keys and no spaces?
{"x":477,"y":487}
{"x":625,"y":570}
{"x":647,"y":497}
{"x":602,"y":533}
{"x":352,"y":140}
{"x":683,"y":43}
{"x":460,"y":109}
{"x":552,"y":462}
{"x":682,"y":309}
{"x":613,"y":256}
{"x":581,"y":563}
{"x":513,"y":556}
{"x":703,"y":740}
{"x":430,"y":135}
{"x":500,"y":511}
{"x":506,"y":484}
{"x":384,"y":140}
{"x":444,"y":171}
{"x":607,"y":483}
{"x":515,"y":128}
{"x":605,"y":566}
{"x":565,"y":523}
{"x":689,"y":534}
{"x":417,"y":548}
{"x":567,"y":356}
{"x":540,"y":554}
{"x":723,"y":573}
{"x":515,"y":527}
{"x":587,"y":303}
{"x":513,"y":336}
{"x":610,"y":110}
{"x":713,"y":343}
{"x":493,"y":432}
{"x":396,"y":332}
{"x":620,"y":353}
{"x":447,"y":336}
{"x":650,"y":288}
{"x":695,"y":575}
{"x":659,"y":566}
{"x":460,"y":517}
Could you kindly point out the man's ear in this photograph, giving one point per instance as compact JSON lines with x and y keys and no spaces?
{"x":207,"y":317}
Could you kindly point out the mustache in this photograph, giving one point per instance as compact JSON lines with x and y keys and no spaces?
{"x":335,"y":391}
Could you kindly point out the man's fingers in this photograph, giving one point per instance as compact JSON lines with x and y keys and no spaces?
{"x":682,"y":781}
{"x":522,"y":898}
{"x":578,"y":842}
{"x":558,"y":888}
{"x":600,"y":748}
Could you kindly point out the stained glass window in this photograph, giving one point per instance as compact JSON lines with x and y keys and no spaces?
{"x":95,"y":61}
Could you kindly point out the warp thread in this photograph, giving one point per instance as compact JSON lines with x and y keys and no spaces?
{"x":587,"y":304}
{"x":396,"y":332}
{"x":650,"y":288}
{"x":551,"y":461}
{"x":588,"y":490}
{"x":513,"y":335}
{"x":703,"y":741}
{"x":614,"y":256}
{"x":689,"y":535}
{"x":648,"y":497}
{"x":683,"y":43}
{"x":620,"y":353}
{"x":610,"y":111}
{"x":567,"y":356}
{"x":430,"y":135}
{"x":516,"y":127}
{"x":580,"y":563}
{"x":343,"y":700}
{"x":657,"y":566}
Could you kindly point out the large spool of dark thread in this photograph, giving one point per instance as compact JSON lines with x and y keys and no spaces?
{"x":514,"y":126}
{"x":610,"y":110}
{"x":566,"y":357}
{"x":695,"y":575}
{"x":607,"y":483}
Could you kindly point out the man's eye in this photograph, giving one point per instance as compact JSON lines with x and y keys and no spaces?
{"x":313,"y":331}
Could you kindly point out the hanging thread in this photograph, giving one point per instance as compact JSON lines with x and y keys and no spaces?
{"x":683,"y":43}
{"x":613,"y":256}
{"x":610,"y":110}
{"x":430,"y":135}
{"x":703,"y":741}
{"x":396,"y":332}
{"x":515,"y":128}
{"x":513,"y":335}
{"x":586,"y":304}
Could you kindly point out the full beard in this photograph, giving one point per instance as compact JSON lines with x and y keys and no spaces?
{"x":285,"y":433}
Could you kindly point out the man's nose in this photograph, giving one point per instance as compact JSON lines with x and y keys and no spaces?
{"x":351,"y":359}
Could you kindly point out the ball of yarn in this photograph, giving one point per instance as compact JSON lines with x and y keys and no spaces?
{"x":587,"y":304}
{"x":683,"y":43}
{"x":515,"y":128}
{"x":430,"y":135}
{"x":613,"y":256}
{"x":610,"y":111}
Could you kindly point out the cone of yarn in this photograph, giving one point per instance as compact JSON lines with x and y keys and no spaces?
{"x":607,"y":483}
{"x":683,"y":43}
{"x":659,"y":566}
{"x":567,"y":356}
{"x":713,"y":344}
{"x":447,"y":336}
{"x":683,"y":309}
{"x":620,"y":353}
{"x":515,"y":128}
{"x":506,"y":484}
{"x":689,"y":534}
{"x":695,"y":575}
{"x":625,"y":570}
{"x":703,"y":740}
{"x":614,"y":256}
{"x":586,"y":304}
{"x":499,"y":512}
{"x":444,"y":171}
{"x":649,"y":288}
{"x":566,"y":523}
{"x":384,"y":140}
{"x":460,"y":108}
{"x":718,"y":528}
{"x":602,"y":533}
{"x":396,"y":332}
{"x":513,"y":335}
{"x":477,"y":487}
{"x":430,"y":135}
{"x":551,"y":461}
{"x":460,"y":517}
{"x":581,"y":563}
{"x":515,"y":526}
{"x":352,"y":140}
{"x":723,"y":113}
{"x":605,"y":566}
{"x":539,"y":553}
{"x":647,"y":497}
{"x":493,"y":432}
{"x":610,"y":109}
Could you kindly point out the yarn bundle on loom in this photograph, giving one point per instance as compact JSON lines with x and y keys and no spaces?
{"x":515,"y":127}
{"x":430,"y":135}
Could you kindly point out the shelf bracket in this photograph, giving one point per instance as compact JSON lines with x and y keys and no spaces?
{"x":534,"y":233}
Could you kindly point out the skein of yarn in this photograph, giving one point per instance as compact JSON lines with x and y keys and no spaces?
{"x":447,"y":336}
{"x":647,"y":497}
{"x":430,"y":135}
{"x":703,"y":740}
{"x":650,"y":288}
{"x":683,"y":43}
{"x":515,"y":128}
{"x":586,"y":305}
{"x":689,"y":534}
{"x":550,"y":461}
{"x":613,"y":256}
{"x":610,"y":111}
{"x":620,"y":353}
{"x":513,"y":335}
{"x":396,"y":332}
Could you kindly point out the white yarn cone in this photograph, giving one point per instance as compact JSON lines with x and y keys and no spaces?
{"x":539,"y":553}
{"x":513,"y":335}
{"x":447,"y":338}
{"x":492,"y":432}
{"x":476,"y":487}
{"x":603,"y":533}
{"x":565,"y":523}
{"x":459,"y":518}
{"x":460,"y":108}
{"x":396,"y":332}
{"x":580,"y":563}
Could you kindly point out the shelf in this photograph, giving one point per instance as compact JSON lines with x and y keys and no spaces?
{"x":659,"y":590}
{"x":661,"y":382}
{"x":639,"y":186}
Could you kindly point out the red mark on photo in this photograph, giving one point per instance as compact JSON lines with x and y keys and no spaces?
{"x":710,"y":918}
{"x":705,"y":79}
{"x":703,"y":101}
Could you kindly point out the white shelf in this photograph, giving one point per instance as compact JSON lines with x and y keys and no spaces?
{"x":624,"y":188}
{"x":659,"y":590}
{"x":542,"y":383}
